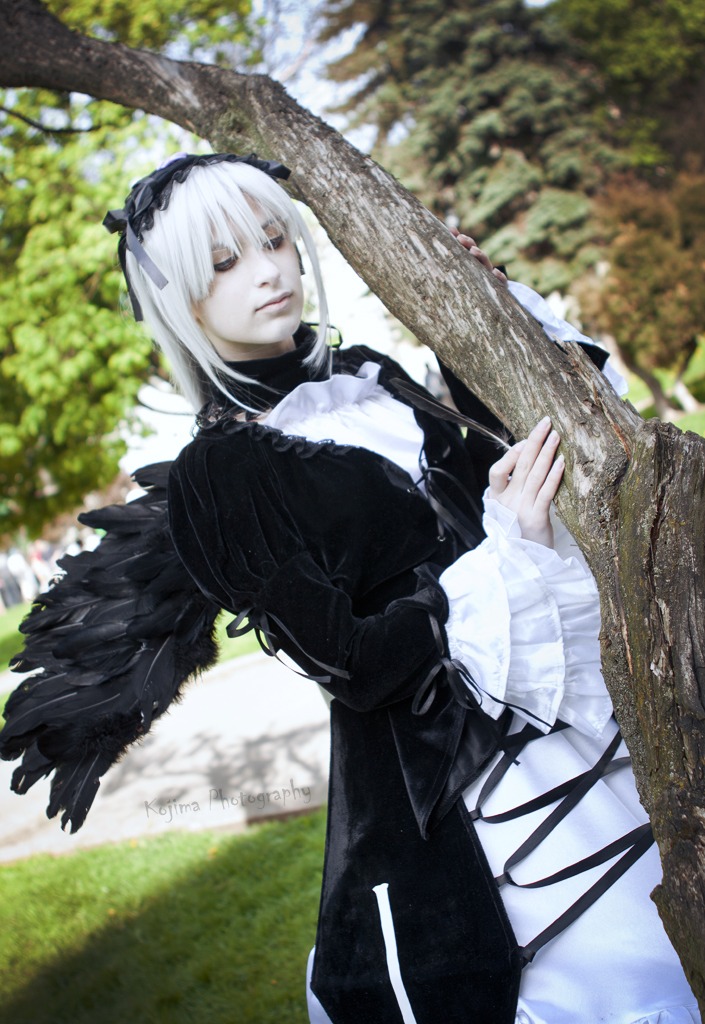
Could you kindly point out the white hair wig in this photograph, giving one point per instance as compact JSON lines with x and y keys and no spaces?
{"x":213,"y":205}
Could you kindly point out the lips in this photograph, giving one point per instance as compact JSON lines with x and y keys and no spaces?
{"x":277,"y":301}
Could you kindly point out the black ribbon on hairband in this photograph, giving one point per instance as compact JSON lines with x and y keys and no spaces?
{"x":153,"y":193}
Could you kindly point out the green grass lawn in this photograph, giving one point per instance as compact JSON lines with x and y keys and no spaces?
{"x":168,"y":930}
{"x":10,"y":638}
{"x":175,"y":929}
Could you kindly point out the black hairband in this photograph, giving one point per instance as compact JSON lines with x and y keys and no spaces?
{"x":153,"y":193}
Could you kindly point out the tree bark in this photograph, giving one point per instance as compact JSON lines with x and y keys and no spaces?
{"x":633,"y":493}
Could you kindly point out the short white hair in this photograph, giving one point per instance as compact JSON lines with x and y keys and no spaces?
{"x":212,"y":205}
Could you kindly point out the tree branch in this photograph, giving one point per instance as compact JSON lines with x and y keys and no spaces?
{"x":45,"y":128}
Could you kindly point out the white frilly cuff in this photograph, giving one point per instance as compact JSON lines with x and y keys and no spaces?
{"x":524,"y":620}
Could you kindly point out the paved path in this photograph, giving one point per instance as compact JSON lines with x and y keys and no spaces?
{"x":248,"y":741}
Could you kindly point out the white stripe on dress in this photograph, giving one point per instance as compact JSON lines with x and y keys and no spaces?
{"x":390,"y":945}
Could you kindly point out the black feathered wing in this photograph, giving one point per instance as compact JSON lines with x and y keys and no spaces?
{"x":111,"y":643}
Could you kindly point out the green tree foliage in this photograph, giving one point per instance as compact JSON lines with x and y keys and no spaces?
{"x":71,"y":365}
{"x":479,"y":107}
{"x":651,"y":56}
{"x":216,"y":29}
{"x":652,"y":299}
{"x":564,"y":137}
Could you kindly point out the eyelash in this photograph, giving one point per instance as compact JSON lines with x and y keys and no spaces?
{"x":225,"y":264}
{"x":229,"y":262}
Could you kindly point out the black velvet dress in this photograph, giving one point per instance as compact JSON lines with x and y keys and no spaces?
{"x":335,"y":555}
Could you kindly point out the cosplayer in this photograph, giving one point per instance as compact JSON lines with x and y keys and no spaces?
{"x":487,"y":858}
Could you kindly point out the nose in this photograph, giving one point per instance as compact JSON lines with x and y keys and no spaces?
{"x":266,"y":270}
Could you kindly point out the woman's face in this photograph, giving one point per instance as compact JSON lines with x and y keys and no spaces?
{"x":256,"y":300}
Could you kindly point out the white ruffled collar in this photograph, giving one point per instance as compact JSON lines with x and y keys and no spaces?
{"x":317,"y":397}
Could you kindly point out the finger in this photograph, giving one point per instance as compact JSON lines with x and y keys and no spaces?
{"x":466,"y":241}
{"x":529,"y":453}
{"x":481,"y":257}
{"x":503,"y":469}
{"x":534,"y":516}
{"x":541,"y":467}
{"x":454,"y":232}
{"x":500,"y":275}
{"x":549,"y":488}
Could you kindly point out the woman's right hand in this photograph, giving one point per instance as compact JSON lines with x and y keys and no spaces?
{"x":526,"y":480}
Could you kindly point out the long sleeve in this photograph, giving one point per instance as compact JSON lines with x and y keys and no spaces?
{"x":525,"y":622}
{"x":373,"y":660}
{"x":296,"y":543}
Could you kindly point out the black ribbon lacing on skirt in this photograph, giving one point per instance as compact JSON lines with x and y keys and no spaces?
{"x":635,"y":843}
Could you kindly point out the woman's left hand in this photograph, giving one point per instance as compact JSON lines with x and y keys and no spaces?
{"x":480,"y":255}
{"x":526,"y":479}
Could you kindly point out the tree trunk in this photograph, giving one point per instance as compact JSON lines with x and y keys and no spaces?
{"x":633,"y":493}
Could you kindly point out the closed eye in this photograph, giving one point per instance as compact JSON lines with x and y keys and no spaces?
{"x":230,"y":259}
{"x":225,"y":264}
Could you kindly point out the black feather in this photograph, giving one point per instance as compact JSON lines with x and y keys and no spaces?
{"x":111,"y":643}
{"x":423,"y":400}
